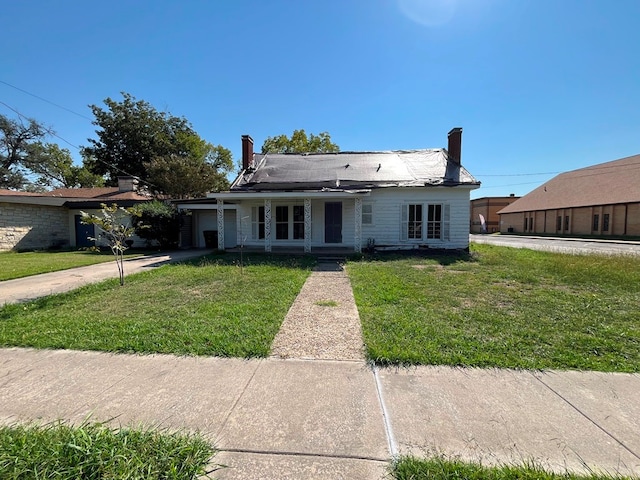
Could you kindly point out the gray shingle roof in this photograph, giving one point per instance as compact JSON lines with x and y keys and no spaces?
{"x":603,"y":184}
{"x":353,"y":170}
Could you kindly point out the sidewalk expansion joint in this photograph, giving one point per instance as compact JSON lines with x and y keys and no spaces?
{"x":391,"y":441}
{"x":304,"y":454}
{"x":619,"y":442}
{"x":235,"y":404}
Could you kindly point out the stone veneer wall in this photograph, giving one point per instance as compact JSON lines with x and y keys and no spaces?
{"x":26,"y":227}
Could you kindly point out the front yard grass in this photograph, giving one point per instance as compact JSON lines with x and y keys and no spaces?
{"x":411,"y":468}
{"x":203,"y":307}
{"x":501,"y":307}
{"x":23,"y":264}
{"x":94,"y":451}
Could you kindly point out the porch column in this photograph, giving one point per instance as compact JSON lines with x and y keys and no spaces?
{"x":357,"y":241}
{"x":267,"y":224}
{"x":220,"y":225}
{"x":307,"y":225}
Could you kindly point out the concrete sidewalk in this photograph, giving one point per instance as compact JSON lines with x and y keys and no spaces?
{"x":36,"y":286}
{"x":318,"y":418}
{"x":307,"y":419}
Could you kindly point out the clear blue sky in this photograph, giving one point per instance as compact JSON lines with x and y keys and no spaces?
{"x":537,"y":85}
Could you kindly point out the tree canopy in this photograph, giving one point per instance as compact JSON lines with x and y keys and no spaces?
{"x":300,"y":143}
{"x":160,"y":149}
{"x":27,"y":163}
{"x":54,"y":168}
{"x":16,"y":137}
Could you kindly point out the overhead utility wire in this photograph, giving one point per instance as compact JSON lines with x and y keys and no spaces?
{"x":517,"y":174}
{"x":54,"y":134}
{"x":47,"y":101}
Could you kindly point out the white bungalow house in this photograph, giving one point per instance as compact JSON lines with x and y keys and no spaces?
{"x":406,"y":199}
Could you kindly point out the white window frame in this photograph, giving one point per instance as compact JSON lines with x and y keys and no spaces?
{"x":367,"y":216}
{"x":290,"y":222}
{"x":445,"y":212}
{"x":256,"y":221}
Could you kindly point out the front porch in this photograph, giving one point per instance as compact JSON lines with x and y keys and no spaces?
{"x":317,"y":223}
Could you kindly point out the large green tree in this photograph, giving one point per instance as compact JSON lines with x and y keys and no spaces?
{"x":201,"y":168}
{"x":299,"y":142}
{"x":160,"y":149}
{"x":54,"y":168}
{"x":16,"y":138}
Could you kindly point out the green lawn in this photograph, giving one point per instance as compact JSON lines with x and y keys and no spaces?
{"x":61,"y":452}
{"x":22,"y":264}
{"x":206,"y":307}
{"x":411,"y":468}
{"x":501,"y":307}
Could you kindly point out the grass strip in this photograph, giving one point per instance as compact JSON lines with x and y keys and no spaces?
{"x":411,"y":468}
{"x":501,"y":307}
{"x":23,"y":264}
{"x":94,"y":451}
{"x":210,"y":306}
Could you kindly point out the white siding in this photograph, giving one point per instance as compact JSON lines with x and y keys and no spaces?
{"x":208,"y":220}
{"x":387,"y":204}
{"x":385,"y":230}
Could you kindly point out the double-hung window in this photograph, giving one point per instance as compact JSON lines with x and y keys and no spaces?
{"x":434,"y":221}
{"x":414,"y":227}
{"x":257,"y":222}
{"x":425,"y":221}
{"x":282,"y":222}
{"x":367,"y":214}
{"x":298,"y":222}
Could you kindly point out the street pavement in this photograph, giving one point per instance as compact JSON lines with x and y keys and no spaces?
{"x":562,"y":244}
{"x":317,"y":418}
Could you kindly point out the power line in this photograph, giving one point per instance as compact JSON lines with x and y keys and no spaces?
{"x":517,"y":174}
{"x":54,"y":134}
{"x":47,"y":101}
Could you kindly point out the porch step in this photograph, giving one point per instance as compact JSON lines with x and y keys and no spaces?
{"x":331,"y":258}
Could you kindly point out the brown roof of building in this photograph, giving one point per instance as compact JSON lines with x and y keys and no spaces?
{"x":603,"y":184}
{"x":105,"y":194}
{"x":13,"y":193}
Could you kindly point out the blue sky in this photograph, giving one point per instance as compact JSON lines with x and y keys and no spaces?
{"x":539,"y":86}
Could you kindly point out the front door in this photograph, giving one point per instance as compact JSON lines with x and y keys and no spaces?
{"x":333,"y":222}
{"x":83,"y":232}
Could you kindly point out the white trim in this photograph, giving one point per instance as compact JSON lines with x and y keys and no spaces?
{"x":204,"y":206}
{"x":278,"y":194}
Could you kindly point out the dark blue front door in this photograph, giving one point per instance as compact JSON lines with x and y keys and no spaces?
{"x":83,"y":232}
{"x":333,"y":222}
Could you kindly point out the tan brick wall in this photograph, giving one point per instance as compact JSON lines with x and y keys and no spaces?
{"x":488,"y":207}
{"x":26,"y":227}
{"x":633,"y":219}
{"x":580,"y":220}
{"x":617,"y":225}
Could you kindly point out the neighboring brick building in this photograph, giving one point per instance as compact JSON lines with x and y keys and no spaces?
{"x":487,"y":208}
{"x":602,"y":200}
{"x":30,"y":221}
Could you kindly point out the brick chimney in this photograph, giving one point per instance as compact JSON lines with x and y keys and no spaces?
{"x":127,"y":184}
{"x":247,"y":152}
{"x":455,"y":144}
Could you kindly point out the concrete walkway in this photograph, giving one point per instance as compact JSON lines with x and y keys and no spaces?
{"x":307,"y":419}
{"x":323,"y":323}
{"x":36,"y":286}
